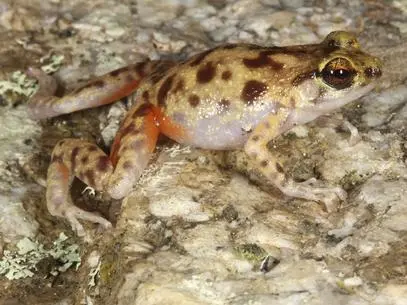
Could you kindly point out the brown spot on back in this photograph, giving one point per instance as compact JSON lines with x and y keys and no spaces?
{"x":255,"y":138}
{"x":103,"y":163}
{"x":164,"y":89}
{"x":197,"y":59}
{"x":84,"y":159}
{"x":303,"y":77}
{"x":193,"y":100}
{"x":253,"y":90}
{"x":74,"y":154}
{"x":206,"y":73}
{"x":261,"y":61}
{"x":226,"y":75}
{"x":279,"y":168}
{"x":264,"y":163}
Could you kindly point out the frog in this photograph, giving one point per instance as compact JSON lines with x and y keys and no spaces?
{"x":233,"y":96}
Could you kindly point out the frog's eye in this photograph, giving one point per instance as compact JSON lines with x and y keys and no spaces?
{"x":338,"y":73}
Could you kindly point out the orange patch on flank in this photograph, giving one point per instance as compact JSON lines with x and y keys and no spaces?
{"x":64,"y":171}
{"x":169,"y":128}
{"x":154,"y":123}
{"x":151,"y":131}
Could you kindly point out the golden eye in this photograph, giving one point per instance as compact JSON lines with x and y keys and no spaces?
{"x":338,"y":73}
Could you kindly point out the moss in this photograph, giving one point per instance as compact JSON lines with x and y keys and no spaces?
{"x":344,"y":288}
{"x":109,"y":267}
{"x":251,"y":252}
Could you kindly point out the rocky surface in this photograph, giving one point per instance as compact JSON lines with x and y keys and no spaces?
{"x":200,"y":227}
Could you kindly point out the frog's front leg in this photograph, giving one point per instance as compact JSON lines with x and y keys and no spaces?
{"x":256,"y":148}
{"x":115,"y":174}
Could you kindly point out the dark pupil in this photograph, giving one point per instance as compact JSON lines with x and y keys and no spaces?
{"x":340,"y":73}
{"x":337,"y":78}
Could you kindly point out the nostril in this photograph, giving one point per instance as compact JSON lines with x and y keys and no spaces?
{"x":372,"y":72}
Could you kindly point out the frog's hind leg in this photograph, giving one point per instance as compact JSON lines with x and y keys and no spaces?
{"x":100,"y":91}
{"x":257,"y":150}
{"x":115,"y":174}
{"x":70,"y":158}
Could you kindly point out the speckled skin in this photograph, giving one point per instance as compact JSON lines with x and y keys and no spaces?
{"x":230,"y":96}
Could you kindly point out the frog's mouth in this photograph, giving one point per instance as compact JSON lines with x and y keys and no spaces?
{"x":330,"y":102}
{"x":327,"y":103}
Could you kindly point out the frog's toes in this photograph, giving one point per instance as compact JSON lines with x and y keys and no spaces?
{"x":354,"y":133}
{"x":330,"y":196}
{"x":73,"y":214}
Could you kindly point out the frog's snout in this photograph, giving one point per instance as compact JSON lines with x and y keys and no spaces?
{"x":374,"y":71}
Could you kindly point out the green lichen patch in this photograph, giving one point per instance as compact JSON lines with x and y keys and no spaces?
{"x":30,"y":255}
{"x":55,"y":62}
{"x":17,"y":88}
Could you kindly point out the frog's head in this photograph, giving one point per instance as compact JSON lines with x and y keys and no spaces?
{"x":342,"y":74}
{"x":346,"y":67}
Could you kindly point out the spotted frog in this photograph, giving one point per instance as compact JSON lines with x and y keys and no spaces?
{"x":231,"y":96}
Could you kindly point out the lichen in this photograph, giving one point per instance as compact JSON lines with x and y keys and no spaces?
{"x":23,"y":262}
{"x":55,"y":62}
{"x":18,"y":87}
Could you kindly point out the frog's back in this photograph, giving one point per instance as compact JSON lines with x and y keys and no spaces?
{"x":228,"y":72}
